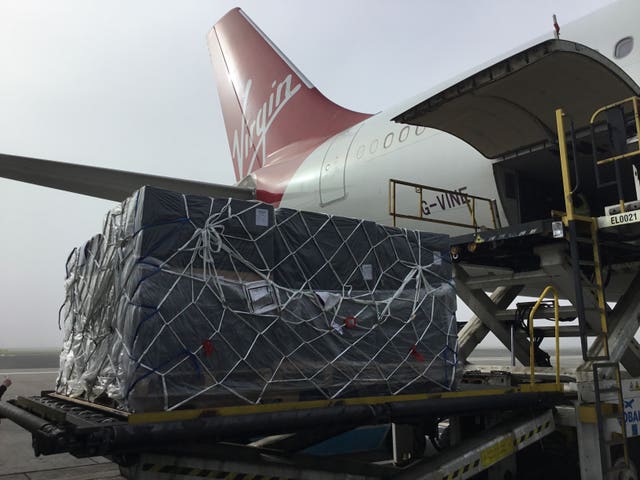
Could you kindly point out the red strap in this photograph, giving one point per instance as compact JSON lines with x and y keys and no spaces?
{"x":416,"y":354}
{"x":207,"y":347}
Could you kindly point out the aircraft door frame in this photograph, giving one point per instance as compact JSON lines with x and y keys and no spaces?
{"x":334,"y":165}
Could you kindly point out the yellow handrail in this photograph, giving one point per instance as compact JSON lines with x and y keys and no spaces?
{"x":532,"y":362}
{"x":468,"y":199}
{"x":636,"y":115}
{"x":564,"y":162}
{"x":564,"y":166}
{"x":633,"y":100}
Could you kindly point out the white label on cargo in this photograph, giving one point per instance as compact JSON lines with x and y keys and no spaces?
{"x":337,"y":326}
{"x":367,"y":271}
{"x":437,"y":258}
{"x":262,"y":217}
{"x":261,"y":296}
{"x":329,"y":300}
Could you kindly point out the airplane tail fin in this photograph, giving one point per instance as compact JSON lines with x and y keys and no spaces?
{"x":267,"y":103}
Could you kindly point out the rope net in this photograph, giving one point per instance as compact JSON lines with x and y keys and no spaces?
{"x":189,"y":301}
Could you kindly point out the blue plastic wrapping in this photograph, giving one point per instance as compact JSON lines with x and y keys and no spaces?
{"x":190,"y":301}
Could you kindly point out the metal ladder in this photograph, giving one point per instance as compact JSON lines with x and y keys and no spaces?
{"x":579,"y":264}
{"x":577,"y":228}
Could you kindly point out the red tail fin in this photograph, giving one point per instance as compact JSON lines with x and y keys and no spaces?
{"x":266,"y":102}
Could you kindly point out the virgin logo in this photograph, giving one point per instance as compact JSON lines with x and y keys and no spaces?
{"x":252,"y":135}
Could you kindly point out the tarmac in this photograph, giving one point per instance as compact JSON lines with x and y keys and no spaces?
{"x":17,"y":460}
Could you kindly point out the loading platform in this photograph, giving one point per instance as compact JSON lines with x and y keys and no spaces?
{"x":60,"y":424}
{"x":581,"y":255}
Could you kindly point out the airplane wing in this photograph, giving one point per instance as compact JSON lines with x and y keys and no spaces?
{"x":104,"y":182}
{"x":510,"y":105}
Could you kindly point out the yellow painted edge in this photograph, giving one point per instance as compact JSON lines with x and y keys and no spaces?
{"x":587,"y":413}
{"x":542,"y":387}
{"x":177,"y":415}
{"x":498,"y":451}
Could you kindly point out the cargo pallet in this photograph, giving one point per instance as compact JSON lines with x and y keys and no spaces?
{"x":524,"y":421}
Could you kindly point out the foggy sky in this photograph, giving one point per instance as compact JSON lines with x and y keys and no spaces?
{"x":129,"y":85}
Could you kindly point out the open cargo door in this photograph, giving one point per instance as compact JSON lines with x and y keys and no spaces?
{"x":507,"y":112}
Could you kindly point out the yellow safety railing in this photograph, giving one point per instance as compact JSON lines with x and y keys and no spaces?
{"x":564,"y":162}
{"x":453,"y":197}
{"x":532,"y":363}
{"x":634,"y":101}
{"x":564,"y":166}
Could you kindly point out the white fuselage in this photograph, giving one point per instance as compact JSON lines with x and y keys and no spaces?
{"x":366,"y":156}
{"x":349,"y":173}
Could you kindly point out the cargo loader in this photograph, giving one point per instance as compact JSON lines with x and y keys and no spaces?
{"x":525,"y":420}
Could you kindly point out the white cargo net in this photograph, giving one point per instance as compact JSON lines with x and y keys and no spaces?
{"x":188,"y":301}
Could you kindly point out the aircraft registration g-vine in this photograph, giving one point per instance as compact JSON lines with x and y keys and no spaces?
{"x":489,"y":132}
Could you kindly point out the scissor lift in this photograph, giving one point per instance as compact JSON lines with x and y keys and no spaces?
{"x":579,"y":258}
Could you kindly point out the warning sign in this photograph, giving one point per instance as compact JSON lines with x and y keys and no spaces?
{"x":496,"y":452}
{"x":631,"y":396}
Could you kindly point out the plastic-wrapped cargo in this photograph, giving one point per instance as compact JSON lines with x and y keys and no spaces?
{"x":190,"y":301}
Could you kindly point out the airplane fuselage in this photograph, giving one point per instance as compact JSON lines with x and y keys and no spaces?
{"x":348,"y":174}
